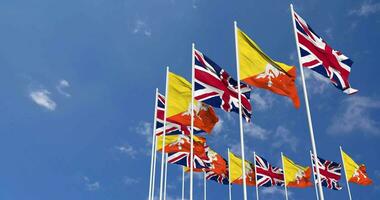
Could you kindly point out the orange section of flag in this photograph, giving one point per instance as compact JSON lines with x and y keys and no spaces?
{"x":259,"y":70}
{"x":360,"y":176}
{"x":303,"y":180}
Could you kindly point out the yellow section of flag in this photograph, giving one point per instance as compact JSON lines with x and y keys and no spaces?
{"x":179,"y":95}
{"x":296,"y":175}
{"x":350,"y":166}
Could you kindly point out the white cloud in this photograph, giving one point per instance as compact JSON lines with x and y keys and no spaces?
{"x":261,"y":100}
{"x":355,"y":114}
{"x":91,"y":186}
{"x":61,"y":86}
{"x":328,"y":33}
{"x":269,"y":191}
{"x":255,"y":131}
{"x":141,"y":27}
{"x":145,"y":129}
{"x":315,"y":82}
{"x":283,"y":137}
{"x":41,"y":98}
{"x":130,"y":181}
{"x":218,"y":127}
{"x":127,"y":149}
{"x":366,"y":8}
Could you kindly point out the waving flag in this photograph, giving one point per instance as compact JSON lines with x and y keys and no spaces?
{"x":267,"y":175}
{"x":296,"y":175}
{"x":259,"y":70}
{"x":171,"y":127}
{"x":179,"y":106}
{"x":317,"y":55}
{"x":218,"y":170}
{"x":235,"y":165}
{"x":330,"y":173}
{"x":183,"y":158}
{"x":182,"y":143}
{"x":215,"y":87}
{"x":355,"y":173}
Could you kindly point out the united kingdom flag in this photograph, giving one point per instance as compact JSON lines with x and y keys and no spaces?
{"x":317,"y":55}
{"x":183,"y":158}
{"x":215,"y":87}
{"x":219,"y":178}
{"x":268,"y":175}
{"x":330,"y":173}
{"x":171,"y":128}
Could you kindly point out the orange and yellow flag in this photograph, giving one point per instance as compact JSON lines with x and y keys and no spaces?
{"x":259,"y":70}
{"x":355,"y":173}
{"x":296,"y":175}
{"x":236,"y":172}
{"x":179,"y":105}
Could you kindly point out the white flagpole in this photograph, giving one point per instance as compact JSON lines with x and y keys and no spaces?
{"x":315,"y":184}
{"x":283,"y":168}
{"x":240,"y":114}
{"x":229,"y":176}
{"x":183,"y":183}
{"x":154,"y":167}
{"x":307,"y":108}
{"x":192,"y":122}
{"x":152,"y":162}
{"x":204,"y":186}
{"x":345,"y":174}
{"x":163,"y":136}
{"x":166,"y":175}
{"x":257,"y":187}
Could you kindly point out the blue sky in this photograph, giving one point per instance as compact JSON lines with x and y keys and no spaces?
{"x":78,"y":80}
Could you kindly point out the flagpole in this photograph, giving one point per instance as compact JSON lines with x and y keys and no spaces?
{"x":204,"y":186}
{"x":257,"y":186}
{"x":183,"y":183}
{"x":345,"y":173}
{"x":166,"y":175}
{"x":154,"y":167}
{"x":229,"y":176}
{"x":153,"y":148}
{"x":283,"y":168}
{"x":315,"y":185}
{"x":192,"y":122}
{"x":163,"y":137}
{"x":240,"y":113}
{"x":314,"y":148}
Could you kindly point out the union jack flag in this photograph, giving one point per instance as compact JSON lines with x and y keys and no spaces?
{"x":330,"y":173}
{"x":171,"y":127}
{"x":268,"y":175}
{"x":219,"y":178}
{"x":215,"y":87}
{"x":183,"y":158}
{"x":317,"y":55}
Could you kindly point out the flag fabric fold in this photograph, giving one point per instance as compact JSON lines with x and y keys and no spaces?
{"x":318,"y":56}
{"x":330,"y":173}
{"x":179,"y":106}
{"x":355,"y":173}
{"x":215,"y":87}
{"x":268,"y":175}
{"x":296,"y":175}
{"x":259,"y":70}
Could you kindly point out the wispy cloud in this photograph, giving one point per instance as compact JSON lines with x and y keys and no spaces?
{"x":255,"y":131}
{"x":61,"y":86}
{"x":130,"y":180}
{"x":141,"y":27}
{"x":218,"y":128}
{"x":270,"y":191}
{"x":41,"y":97}
{"x":355,"y":114}
{"x":283,"y":137}
{"x":366,"y":8}
{"x":144,"y":129}
{"x":91,"y":186}
{"x":127,"y":149}
{"x":317,"y":84}
{"x":261,"y":100}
